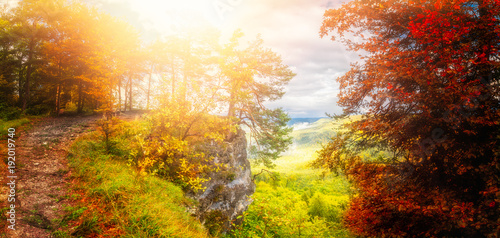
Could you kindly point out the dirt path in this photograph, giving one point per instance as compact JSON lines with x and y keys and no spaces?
{"x":42,"y":172}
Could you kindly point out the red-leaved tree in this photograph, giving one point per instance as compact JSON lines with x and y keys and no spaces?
{"x":428,"y":87}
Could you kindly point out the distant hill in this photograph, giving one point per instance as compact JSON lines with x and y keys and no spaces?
{"x":311,"y":131}
{"x":294,"y":121}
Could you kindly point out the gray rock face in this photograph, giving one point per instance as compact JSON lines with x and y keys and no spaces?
{"x":228,"y":192}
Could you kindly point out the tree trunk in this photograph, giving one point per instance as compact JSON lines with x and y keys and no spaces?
{"x":58,"y":99}
{"x":26,"y":98}
{"x":184,"y":86}
{"x":125,"y":92}
{"x":80,"y":97}
{"x":58,"y":89}
{"x":149,"y":86}
{"x":173,"y":79}
{"x":230,"y":115}
{"x":120,"y":95}
{"x":130,"y":94}
{"x":20,"y":86}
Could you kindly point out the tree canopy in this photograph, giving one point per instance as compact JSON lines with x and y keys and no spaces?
{"x":254,"y":75}
{"x":60,"y":56}
{"x":428,"y":89}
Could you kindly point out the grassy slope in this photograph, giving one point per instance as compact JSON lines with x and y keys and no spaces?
{"x":112,"y":200}
{"x":5,"y":125}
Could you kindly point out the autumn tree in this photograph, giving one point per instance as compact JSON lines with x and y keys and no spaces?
{"x":128,"y":68}
{"x":428,"y":88}
{"x":61,"y":52}
{"x":185,"y":89}
{"x":8,"y":65}
{"x":29,"y":30}
{"x":111,"y":53}
{"x":254,"y":75}
{"x":184,"y":107}
{"x":205,"y":93}
{"x":55,"y":52}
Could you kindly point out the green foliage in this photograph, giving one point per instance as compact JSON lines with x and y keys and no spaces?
{"x":72,"y":214}
{"x":9,"y":113}
{"x":254,"y":75}
{"x":279,"y":211}
{"x":107,"y":127}
{"x":348,"y":147}
{"x":317,"y":206}
{"x":296,"y":200}
{"x":214,"y":222}
{"x":172,"y":146}
{"x":321,"y":206}
{"x":37,"y":110}
{"x":158,"y":144}
{"x":174,"y":159}
{"x":272,"y":136}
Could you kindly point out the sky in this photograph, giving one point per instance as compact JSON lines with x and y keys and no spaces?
{"x":289,"y":27}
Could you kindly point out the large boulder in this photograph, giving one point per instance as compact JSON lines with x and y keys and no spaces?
{"x":227,"y":193}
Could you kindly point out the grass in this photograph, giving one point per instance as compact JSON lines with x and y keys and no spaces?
{"x":5,"y":125}
{"x":113,"y":200}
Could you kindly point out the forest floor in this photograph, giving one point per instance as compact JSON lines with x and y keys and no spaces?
{"x":43,"y":177}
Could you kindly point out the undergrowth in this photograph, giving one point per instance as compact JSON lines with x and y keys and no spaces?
{"x":16,"y":123}
{"x":113,"y":199}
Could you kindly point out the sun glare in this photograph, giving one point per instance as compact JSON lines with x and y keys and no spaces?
{"x":165,"y":16}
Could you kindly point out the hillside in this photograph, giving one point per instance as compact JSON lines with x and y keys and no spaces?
{"x":311,"y":132}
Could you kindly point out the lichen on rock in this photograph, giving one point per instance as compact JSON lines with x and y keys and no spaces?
{"x":228,"y":192}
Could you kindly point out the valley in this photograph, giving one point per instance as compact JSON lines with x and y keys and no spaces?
{"x":294,"y":199}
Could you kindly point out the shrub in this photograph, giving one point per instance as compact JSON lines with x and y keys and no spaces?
{"x":114,"y":200}
{"x":38,"y":110}
{"x":8,"y":113}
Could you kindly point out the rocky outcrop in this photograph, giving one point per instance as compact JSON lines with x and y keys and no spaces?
{"x":227,"y":194}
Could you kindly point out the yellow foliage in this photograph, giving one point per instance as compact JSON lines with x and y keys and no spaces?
{"x":162,"y":151}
